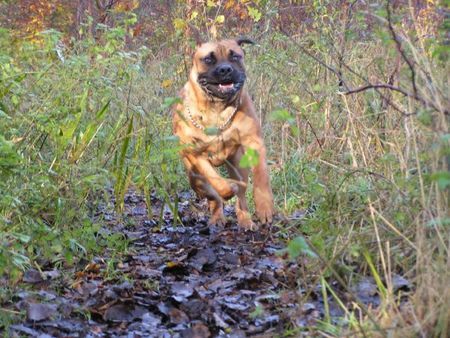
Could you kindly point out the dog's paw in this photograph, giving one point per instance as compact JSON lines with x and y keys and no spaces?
{"x":265,"y":211}
{"x":265,"y":216}
{"x":245,"y":221}
{"x":215,"y":220}
{"x":263,"y":204}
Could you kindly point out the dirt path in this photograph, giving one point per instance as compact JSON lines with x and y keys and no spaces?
{"x":176,"y":281}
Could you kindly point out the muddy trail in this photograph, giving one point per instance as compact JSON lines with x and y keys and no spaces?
{"x":188,"y":280}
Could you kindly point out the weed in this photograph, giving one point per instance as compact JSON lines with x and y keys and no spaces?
{"x":355,"y":117}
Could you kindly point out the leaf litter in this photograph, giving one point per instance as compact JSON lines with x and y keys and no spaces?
{"x":187,"y":280}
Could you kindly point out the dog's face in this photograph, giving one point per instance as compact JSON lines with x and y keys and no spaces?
{"x":219,"y":68}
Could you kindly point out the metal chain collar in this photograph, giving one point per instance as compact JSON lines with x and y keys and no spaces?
{"x":221,"y":127}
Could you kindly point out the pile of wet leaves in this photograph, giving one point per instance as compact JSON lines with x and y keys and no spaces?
{"x":189,"y":280}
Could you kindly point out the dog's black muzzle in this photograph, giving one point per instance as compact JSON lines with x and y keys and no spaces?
{"x":222,"y":81}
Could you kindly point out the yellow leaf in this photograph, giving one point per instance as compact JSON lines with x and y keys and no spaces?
{"x":167,"y":83}
{"x":220,"y":19}
{"x":254,"y":13}
{"x":180,"y":68}
{"x":229,"y":4}
{"x":172,"y":264}
{"x":194,"y":14}
{"x":179,"y":24}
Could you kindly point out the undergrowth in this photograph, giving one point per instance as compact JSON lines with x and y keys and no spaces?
{"x":368,"y":170}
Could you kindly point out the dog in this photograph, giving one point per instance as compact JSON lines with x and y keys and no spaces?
{"x":216,"y":123}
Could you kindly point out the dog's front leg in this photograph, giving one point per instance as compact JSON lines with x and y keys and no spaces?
{"x":203,"y":167}
{"x":262,"y":191}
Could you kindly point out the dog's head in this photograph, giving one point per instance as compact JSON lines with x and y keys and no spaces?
{"x":219,"y":67}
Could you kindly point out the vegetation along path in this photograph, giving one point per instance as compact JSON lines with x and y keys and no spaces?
{"x":98,"y":236}
{"x":189,"y":280}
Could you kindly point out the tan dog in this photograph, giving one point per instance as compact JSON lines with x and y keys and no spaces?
{"x":216,"y":121}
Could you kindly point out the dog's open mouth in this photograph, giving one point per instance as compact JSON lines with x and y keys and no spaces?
{"x":221,"y":88}
{"x":226,"y":87}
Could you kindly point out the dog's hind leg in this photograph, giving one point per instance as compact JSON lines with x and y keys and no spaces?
{"x":204,"y":190}
{"x":262,"y":191}
{"x":240,"y":174}
{"x":216,"y":209}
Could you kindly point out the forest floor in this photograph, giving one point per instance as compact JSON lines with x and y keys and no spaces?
{"x":186,"y":280}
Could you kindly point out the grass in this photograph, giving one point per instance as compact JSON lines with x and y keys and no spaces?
{"x":370,"y":169}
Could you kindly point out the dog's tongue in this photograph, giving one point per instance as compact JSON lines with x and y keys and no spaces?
{"x":226,"y":86}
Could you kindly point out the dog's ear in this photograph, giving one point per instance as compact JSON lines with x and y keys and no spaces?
{"x":243,"y":40}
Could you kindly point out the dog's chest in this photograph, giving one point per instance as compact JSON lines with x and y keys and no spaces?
{"x":217,"y":148}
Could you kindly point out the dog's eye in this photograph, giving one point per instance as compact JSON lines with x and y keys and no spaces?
{"x":208,"y":60}
{"x":235,"y":57}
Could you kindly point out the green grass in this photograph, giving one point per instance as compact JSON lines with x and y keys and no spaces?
{"x":374,"y":181}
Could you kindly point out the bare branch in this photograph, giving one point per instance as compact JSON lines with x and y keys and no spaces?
{"x":374,"y":86}
{"x":315,"y":58}
{"x":397,"y":89}
{"x":400,"y":48}
{"x":369,"y":85}
{"x":338,"y":74}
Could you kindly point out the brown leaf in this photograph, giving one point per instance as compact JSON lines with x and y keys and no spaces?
{"x":198,"y":330}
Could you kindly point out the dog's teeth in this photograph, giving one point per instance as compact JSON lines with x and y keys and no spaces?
{"x":226,"y":86}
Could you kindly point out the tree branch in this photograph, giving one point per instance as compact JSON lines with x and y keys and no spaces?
{"x":400,"y":48}
{"x":369,"y":85}
{"x":396,"y":89}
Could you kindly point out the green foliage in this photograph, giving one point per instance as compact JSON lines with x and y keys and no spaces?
{"x":298,"y":246}
{"x":347,"y":164}
{"x":250,"y":159}
{"x":254,"y":13}
{"x":9,"y":159}
{"x":68,"y":130}
{"x":442,"y":178}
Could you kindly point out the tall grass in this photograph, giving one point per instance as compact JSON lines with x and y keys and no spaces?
{"x":70,"y":128}
{"x":374,"y":164}
{"x":370,"y":169}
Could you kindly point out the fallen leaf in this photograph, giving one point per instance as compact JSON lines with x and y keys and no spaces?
{"x":198,"y":330}
{"x":125,"y":312}
{"x":23,"y":329}
{"x":400,"y":283}
{"x":178,"y":316}
{"x":38,"y":311}
{"x":32,"y":276}
{"x":150,"y":320}
{"x":204,"y":258}
{"x":181,"y":291}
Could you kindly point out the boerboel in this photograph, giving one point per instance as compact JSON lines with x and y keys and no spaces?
{"x":216,"y":122}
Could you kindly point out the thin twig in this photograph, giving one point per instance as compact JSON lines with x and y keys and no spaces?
{"x":349,"y":91}
{"x":384,"y":97}
{"x":314,"y":132}
{"x":400,"y":48}
{"x":322,"y":63}
{"x":339,"y":75}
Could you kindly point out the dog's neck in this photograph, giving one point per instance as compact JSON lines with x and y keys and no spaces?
{"x":205,"y":102}
{"x":206,"y":112}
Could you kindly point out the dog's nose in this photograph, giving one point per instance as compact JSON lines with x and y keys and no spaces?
{"x":224,"y":69}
